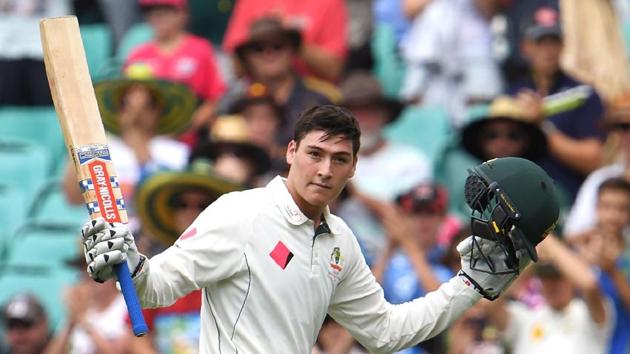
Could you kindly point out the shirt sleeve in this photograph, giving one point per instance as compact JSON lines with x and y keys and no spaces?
{"x":358,"y":304}
{"x":212,"y":249}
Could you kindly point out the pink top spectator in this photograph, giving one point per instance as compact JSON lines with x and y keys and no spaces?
{"x":192,"y":63}
{"x":322,"y":22}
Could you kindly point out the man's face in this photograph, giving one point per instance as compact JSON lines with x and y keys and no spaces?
{"x":269,"y":59}
{"x":371,"y":120}
{"x":558,"y":292}
{"x":320,"y":168}
{"x":613,"y":209}
{"x":188,"y":206}
{"x":427,"y":224}
{"x":27,"y":338}
{"x":543,"y":54}
{"x":263,"y":123}
{"x":166,"y":20}
{"x":503,"y":139}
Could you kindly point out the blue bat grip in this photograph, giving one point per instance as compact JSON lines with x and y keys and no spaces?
{"x":133,"y":304}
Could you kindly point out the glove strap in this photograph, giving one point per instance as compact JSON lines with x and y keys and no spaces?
{"x":139,"y":266}
{"x":471,"y":282}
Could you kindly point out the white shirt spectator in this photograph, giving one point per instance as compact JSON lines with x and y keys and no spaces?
{"x":545,"y":331}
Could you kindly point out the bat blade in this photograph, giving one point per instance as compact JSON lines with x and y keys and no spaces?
{"x":77,"y":111}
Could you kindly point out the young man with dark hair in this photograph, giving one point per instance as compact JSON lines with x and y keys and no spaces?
{"x":272,"y":262}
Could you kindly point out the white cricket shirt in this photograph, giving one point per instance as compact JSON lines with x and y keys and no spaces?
{"x":268,"y":281}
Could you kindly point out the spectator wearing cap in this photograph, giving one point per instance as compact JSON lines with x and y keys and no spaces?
{"x":231,"y":152}
{"x":385,"y":168}
{"x":322,"y":25}
{"x":617,"y":123}
{"x":168,"y":202}
{"x":605,"y":247}
{"x":266,"y":55}
{"x":26,"y":326}
{"x":449,"y":57}
{"x":567,"y":323}
{"x":140,"y":113}
{"x":174,"y":54}
{"x":568,"y":111}
{"x":410,"y":265}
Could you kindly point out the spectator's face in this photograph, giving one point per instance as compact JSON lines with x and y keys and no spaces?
{"x":558,"y":291}
{"x":233,"y":168}
{"x":543,"y":54}
{"x":428,"y":224}
{"x":263,"y":123}
{"x":613,"y":209}
{"x":624,"y":133}
{"x":269,"y":59}
{"x":188,"y":206}
{"x":167,"y":21}
{"x":503,"y":139}
{"x":320,"y":168}
{"x":27,"y":338}
{"x":371,"y":120}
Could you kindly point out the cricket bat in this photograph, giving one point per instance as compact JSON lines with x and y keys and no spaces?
{"x":77,"y":110}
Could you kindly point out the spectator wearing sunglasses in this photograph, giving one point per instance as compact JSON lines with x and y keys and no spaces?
{"x":26,"y":325}
{"x":168,"y":202}
{"x":266,"y":57}
{"x":582,"y":217}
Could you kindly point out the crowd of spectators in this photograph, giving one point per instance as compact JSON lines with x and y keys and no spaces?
{"x":208,"y":104}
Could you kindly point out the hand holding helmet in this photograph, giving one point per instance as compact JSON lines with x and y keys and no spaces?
{"x":514,"y":207}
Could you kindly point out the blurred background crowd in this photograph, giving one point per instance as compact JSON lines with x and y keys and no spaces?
{"x":199,"y":98}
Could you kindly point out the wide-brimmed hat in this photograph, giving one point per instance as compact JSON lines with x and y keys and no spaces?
{"x":266,"y":28}
{"x":156,"y":195}
{"x":230,"y":135}
{"x":504,"y":109}
{"x":176,"y":101}
{"x":361,"y":89}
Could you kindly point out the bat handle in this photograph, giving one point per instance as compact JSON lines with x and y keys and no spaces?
{"x":138,"y":324}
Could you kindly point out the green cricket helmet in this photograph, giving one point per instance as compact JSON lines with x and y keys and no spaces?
{"x":514,"y":203}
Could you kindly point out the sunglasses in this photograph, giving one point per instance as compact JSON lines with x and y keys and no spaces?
{"x":513,"y":135}
{"x":184,"y":205}
{"x":263,"y":46}
{"x":19,"y":324}
{"x":622,"y":127}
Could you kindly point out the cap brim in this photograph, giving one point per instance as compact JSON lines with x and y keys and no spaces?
{"x":176,"y":101}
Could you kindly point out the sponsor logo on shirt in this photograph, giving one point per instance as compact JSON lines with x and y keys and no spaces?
{"x":336,"y":263}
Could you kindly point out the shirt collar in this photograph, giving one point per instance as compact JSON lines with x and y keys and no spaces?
{"x":289,"y":208}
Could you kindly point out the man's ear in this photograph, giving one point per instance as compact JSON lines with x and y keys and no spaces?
{"x":291,"y":151}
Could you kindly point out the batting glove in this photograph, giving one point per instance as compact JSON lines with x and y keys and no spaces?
{"x":107,"y":244}
{"x":484,"y":265}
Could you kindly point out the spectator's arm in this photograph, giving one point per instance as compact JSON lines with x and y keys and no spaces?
{"x":579,"y":273}
{"x":497,"y":312}
{"x":583,"y":156}
{"x":59,"y":343}
{"x":412,"y":8}
{"x":324,"y":64}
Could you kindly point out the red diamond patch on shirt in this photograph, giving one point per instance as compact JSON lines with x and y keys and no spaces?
{"x":281,"y":255}
{"x":188,"y":234}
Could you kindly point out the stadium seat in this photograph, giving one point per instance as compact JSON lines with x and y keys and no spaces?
{"x":25,"y":166}
{"x":425,"y":127}
{"x":50,"y":206}
{"x":37,"y":244}
{"x":12,"y":211}
{"x":46,"y":284}
{"x":35,"y":124}
{"x":388,"y":68}
{"x":97,"y":41}
{"x":136,"y":35}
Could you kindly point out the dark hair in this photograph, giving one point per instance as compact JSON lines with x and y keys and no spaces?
{"x":615,"y":183}
{"x":332,"y":120}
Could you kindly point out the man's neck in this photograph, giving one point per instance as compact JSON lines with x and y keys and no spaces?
{"x":168,"y":43}
{"x":543,"y":82}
